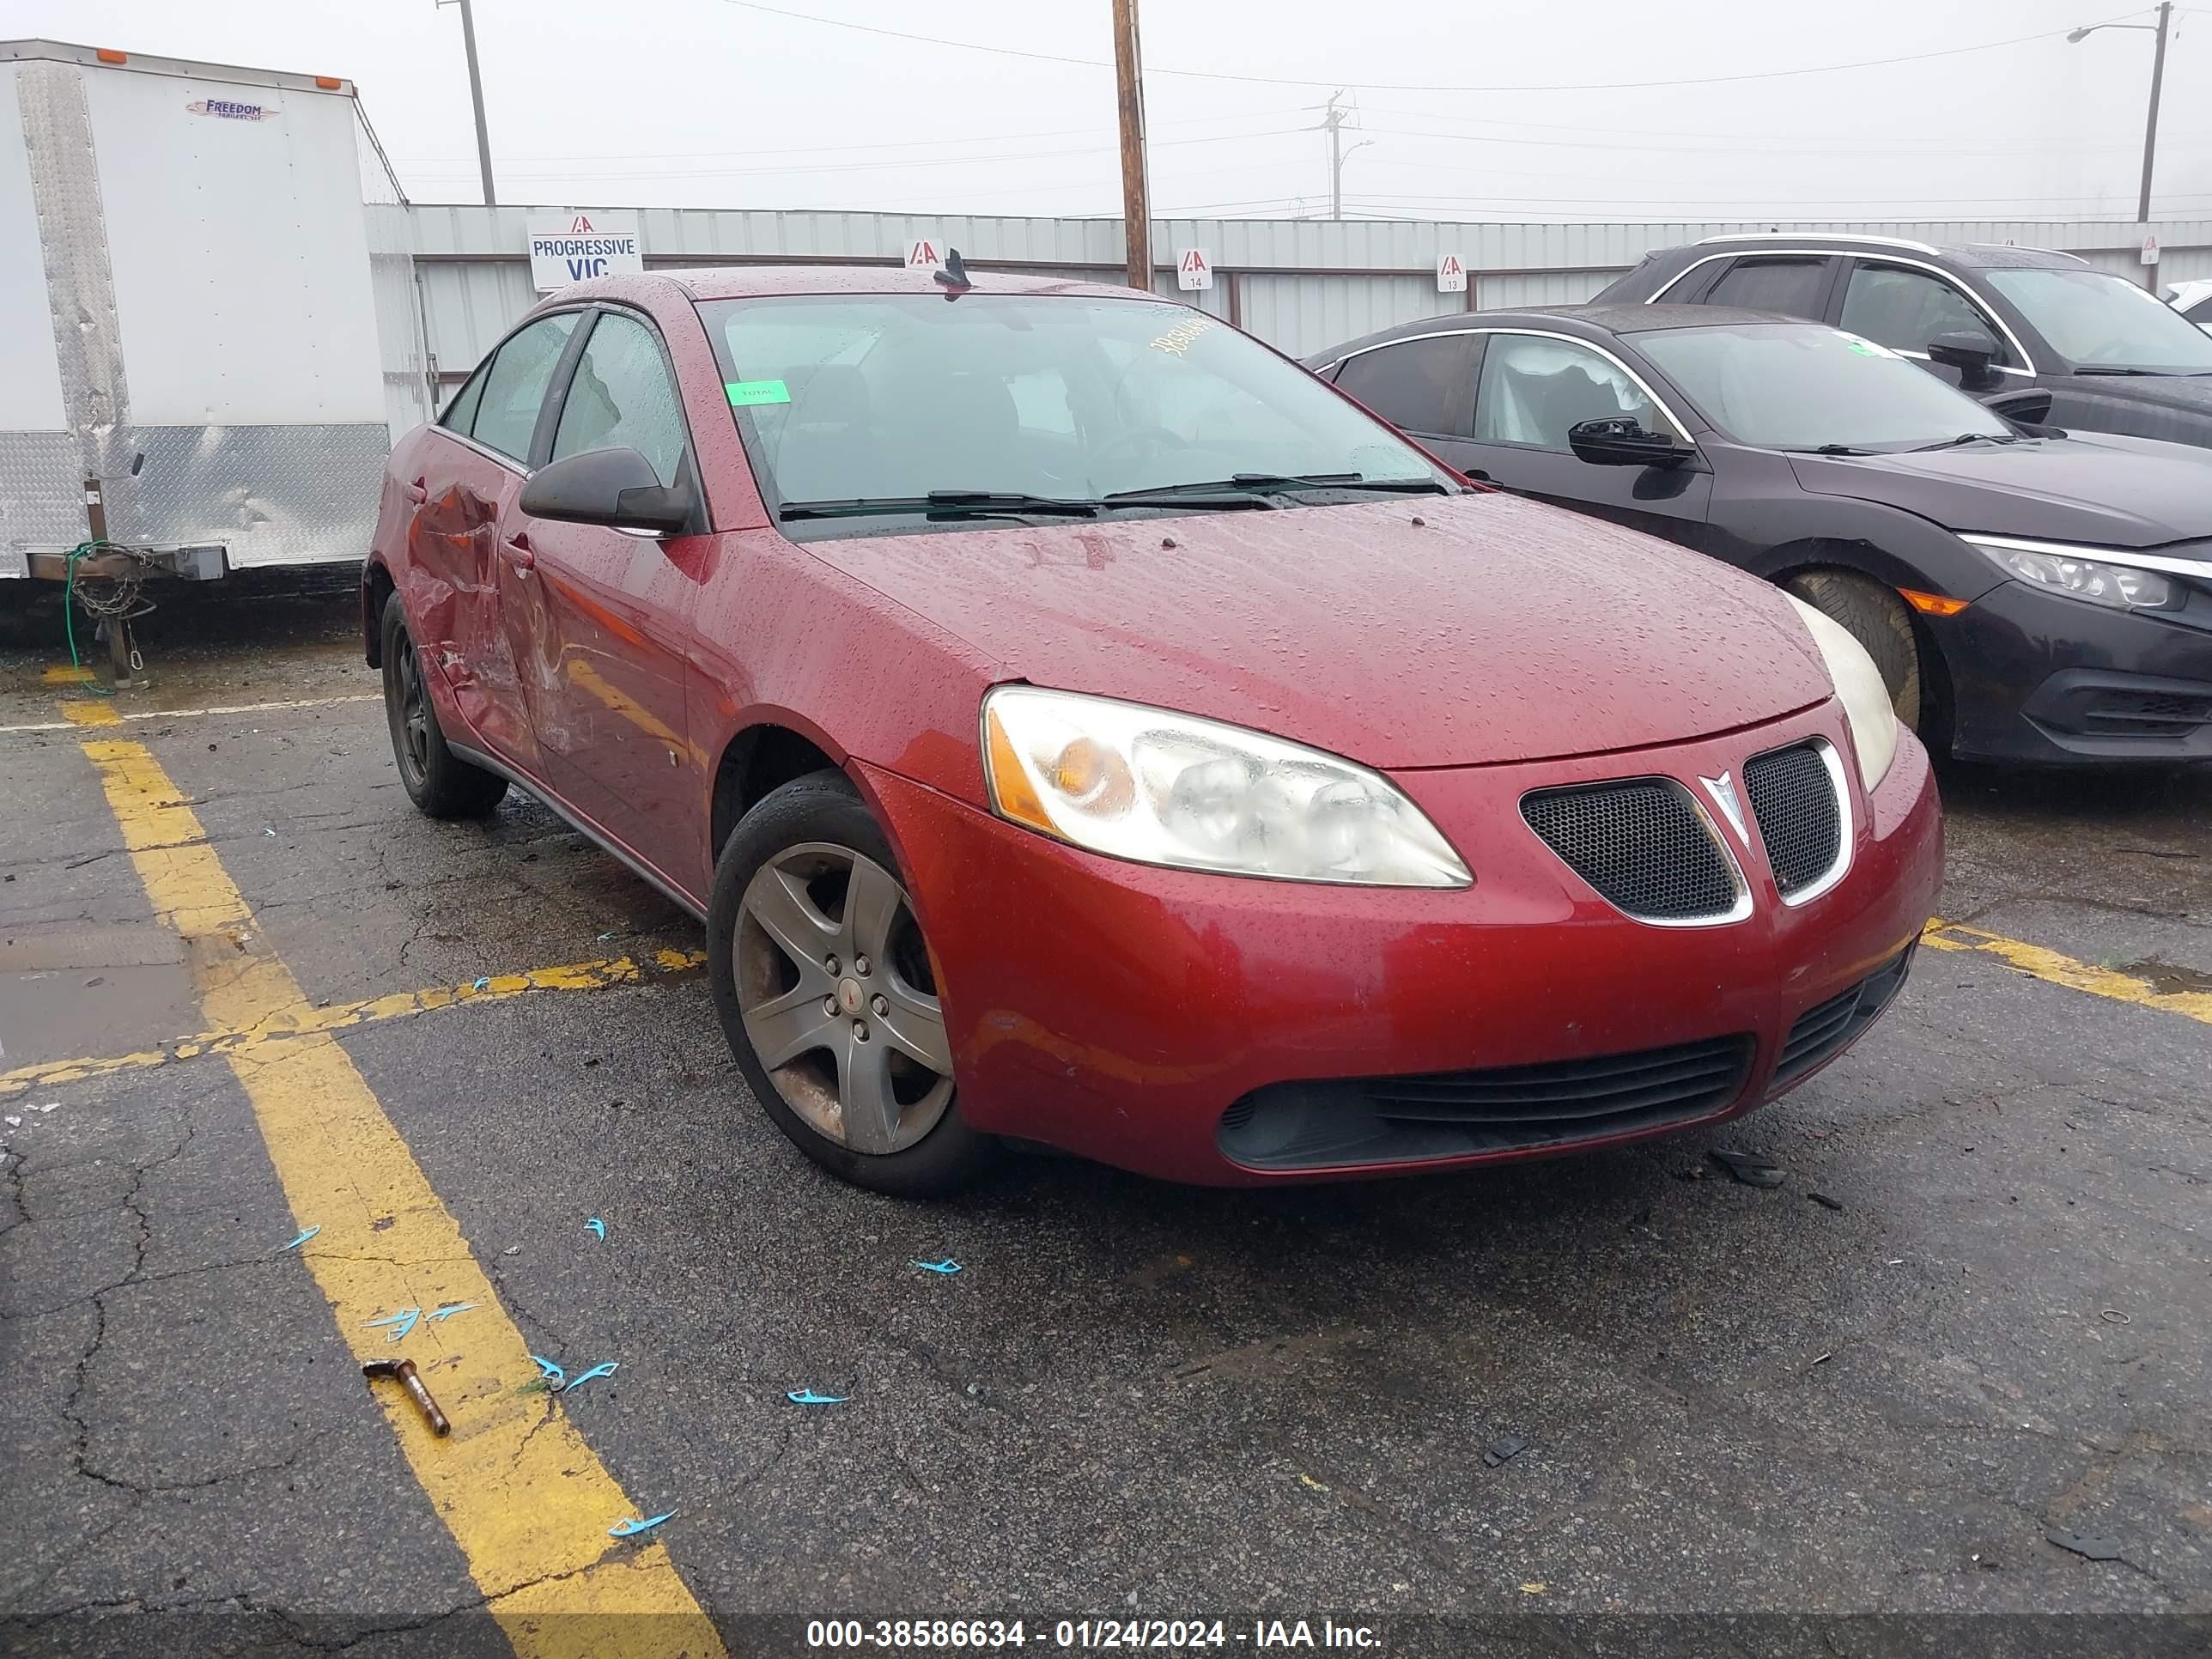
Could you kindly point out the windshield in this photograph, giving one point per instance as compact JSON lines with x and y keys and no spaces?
{"x":882,"y":398}
{"x":1798,"y":386}
{"x":2098,"y":320}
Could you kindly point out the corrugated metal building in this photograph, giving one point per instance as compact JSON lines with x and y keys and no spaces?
{"x":1300,"y":284}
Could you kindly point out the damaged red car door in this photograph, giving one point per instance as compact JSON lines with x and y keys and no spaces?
{"x":468,"y":470}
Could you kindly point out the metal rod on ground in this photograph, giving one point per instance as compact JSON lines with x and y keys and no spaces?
{"x":476,"y":95}
{"x":1136,"y":195}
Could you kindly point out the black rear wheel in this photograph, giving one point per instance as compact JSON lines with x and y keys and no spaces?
{"x":439,"y":783}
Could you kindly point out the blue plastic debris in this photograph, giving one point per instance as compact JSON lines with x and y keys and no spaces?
{"x":483,"y":984}
{"x":598,"y":1226}
{"x":947,"y":1265}
{"x":631,"y":1528}
{"x":603,"y":938}
{"x":550,"y":1372}
{"x":808,"y":1397}
{"x":302,"y":1238}
{"x":402,"y":1323}
{"x":448,"y":1310}
{"x":607,"y":1370}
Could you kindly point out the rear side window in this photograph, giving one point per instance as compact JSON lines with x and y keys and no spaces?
{"x":460,"y":414}
{"x":621,"y":397}
{"x":1792,"y":287}
{"x":1417,"y":386}
{"x":1905,"y":309}
{"x":2201,"y":313}
{"x":514,"y":385}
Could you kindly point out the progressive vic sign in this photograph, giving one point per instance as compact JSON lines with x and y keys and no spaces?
{"x":575,"y":247}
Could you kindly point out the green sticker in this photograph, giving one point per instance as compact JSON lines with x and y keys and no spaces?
{"x":743,"y":392}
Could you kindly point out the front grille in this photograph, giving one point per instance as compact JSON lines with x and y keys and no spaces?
{"x":1801,"y":818}
{"x":1641,"y":844}
{"x":1290,"y":1126}
{"x":1823,"y":1032}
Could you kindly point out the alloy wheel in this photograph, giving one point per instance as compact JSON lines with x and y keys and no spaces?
{"x":839,"y":997}
{"x":414,"y":710}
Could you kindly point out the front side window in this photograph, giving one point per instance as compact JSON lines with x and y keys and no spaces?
{"x":1535,"y":389}
{"x":621,"y":397}
{"x":1417,"y":385}
{"x":1791,"y":286}
{"x":2099,"y":321}
{"x":514,"y":385}
{"x":880,"y":398}
{"x":1905,"y":309}
{"x":1800,"y":386}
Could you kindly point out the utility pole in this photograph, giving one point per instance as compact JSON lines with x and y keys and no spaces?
{"x":475,"y":96}
{"x":1331,"y":123}
{"x":1136,"y":195}
{"x":2157,"y":85}
{"x":2150,"y":125}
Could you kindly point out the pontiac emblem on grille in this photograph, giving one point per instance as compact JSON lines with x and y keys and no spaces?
{"x":1722,"y":790}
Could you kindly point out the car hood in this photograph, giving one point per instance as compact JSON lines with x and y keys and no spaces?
{"x":2112,"y":491}
{"x":1415,"y":632}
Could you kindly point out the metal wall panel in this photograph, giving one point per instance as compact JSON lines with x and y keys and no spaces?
{"x":1302,"y":314}
{"x":1539,"y":288}
{"x":1300,"y":284}
{"x":30,"y":375}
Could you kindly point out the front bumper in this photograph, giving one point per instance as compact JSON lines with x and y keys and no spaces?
{"x":1120,"y":1011}
{"x":2042,"y":678}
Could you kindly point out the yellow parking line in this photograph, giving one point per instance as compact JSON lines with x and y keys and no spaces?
{"x":287,"y":1024}
{"x":526,"y":1499}
{"x":72,"y":675}
{"x":2057,"y":969}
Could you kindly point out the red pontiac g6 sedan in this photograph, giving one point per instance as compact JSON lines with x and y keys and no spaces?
{"x":1076,"y":723}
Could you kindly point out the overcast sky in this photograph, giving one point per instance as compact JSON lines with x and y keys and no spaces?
{"x":1461,"y":106}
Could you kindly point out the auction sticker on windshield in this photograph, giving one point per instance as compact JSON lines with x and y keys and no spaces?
{"x":743,"y":392}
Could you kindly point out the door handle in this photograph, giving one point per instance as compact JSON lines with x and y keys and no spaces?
{"x":1477,"y":474}
{"x":418,"y":492}
{"x":518,"y":549}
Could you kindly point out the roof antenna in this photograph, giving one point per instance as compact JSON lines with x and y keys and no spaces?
{"x":954,"y":276}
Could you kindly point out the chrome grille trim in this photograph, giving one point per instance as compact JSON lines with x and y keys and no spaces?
{"x":1846,"y":829}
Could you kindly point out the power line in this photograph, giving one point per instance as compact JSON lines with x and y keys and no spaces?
{"x":1401,"y":85}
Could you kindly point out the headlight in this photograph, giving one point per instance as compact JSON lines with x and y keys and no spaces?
{"x":2117,"y":587}
{"x":1867,"y":705}
{"x":1144,"y":784}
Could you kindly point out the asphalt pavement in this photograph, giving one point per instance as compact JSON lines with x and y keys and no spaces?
{"x":1972,"y":1325}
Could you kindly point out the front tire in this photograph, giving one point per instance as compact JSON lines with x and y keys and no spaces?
{"x":439,"y":783}
{"x":1877,"y":619}
{"x":828,"y":994}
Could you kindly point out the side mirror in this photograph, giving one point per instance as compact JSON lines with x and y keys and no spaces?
{"x":1618,"y":440}
{"x":615,"y":488}
{"x":1973,"y":355}
{"x":2029,"y":406}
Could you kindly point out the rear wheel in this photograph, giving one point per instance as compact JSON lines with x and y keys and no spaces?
{"x":439,"y":783}
{"x":828,"y":994}
{"x":1877,"y":619}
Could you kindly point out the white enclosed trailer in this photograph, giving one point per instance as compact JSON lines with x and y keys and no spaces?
{"x":201,"y":360}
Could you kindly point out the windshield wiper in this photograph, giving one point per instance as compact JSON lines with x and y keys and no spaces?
{"x":2149,"y":374}
{"x":942,"y":503}
{"x":1833,"y":449}
{"x":1969,"y":438}
{"x":1266,"y":483}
